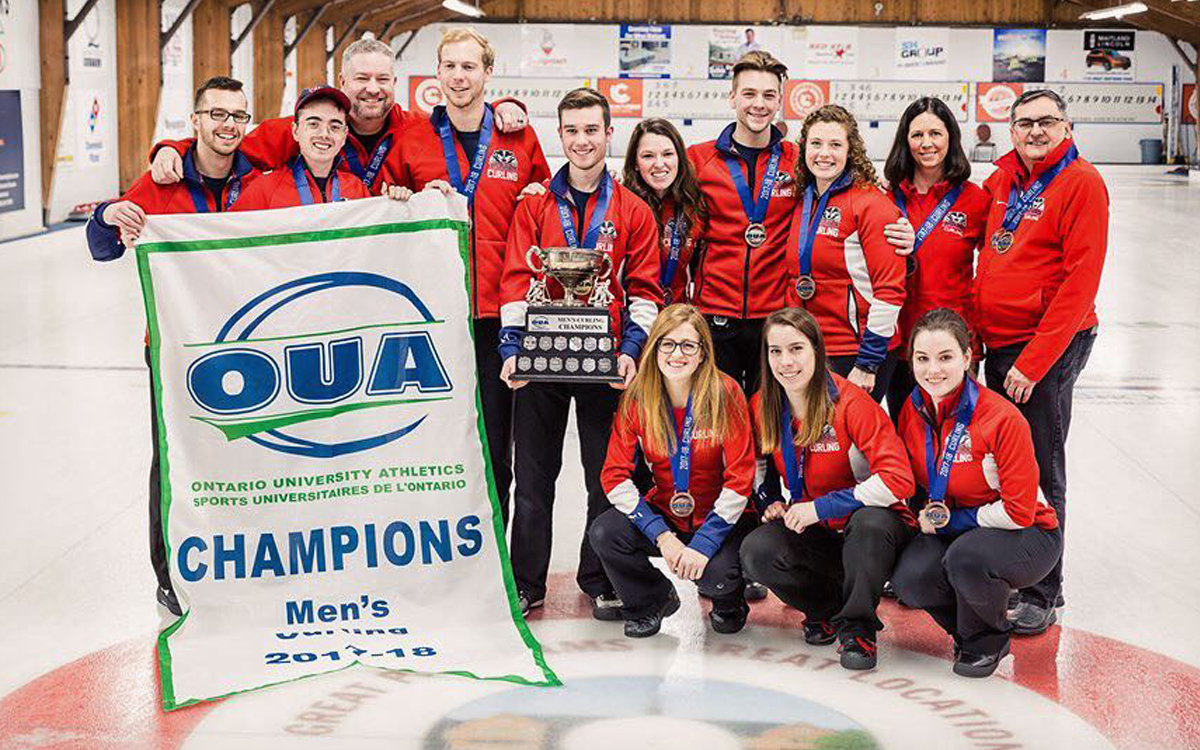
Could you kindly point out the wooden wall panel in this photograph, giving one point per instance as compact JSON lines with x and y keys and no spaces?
{"x":310,"y":55}
{"x":338,"y":30}
{"x":268,"y":66}
{"x":54,"y":81}
{"x":139,"y":80}
{"x":210,"y":40}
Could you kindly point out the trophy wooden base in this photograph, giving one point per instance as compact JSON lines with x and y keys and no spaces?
{"x":567,"y":344}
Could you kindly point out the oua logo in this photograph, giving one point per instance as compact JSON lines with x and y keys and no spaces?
{"x":266,"y":388}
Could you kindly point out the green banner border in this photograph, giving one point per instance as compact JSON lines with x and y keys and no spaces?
{"x":462,"y":229}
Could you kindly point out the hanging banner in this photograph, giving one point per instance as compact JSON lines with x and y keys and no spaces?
{"x":645,"y":51}
{"x":1123,"y":103}
{"x":728,"y":44}
{"x":539,"y":95}
{"x":1109,"y":55}
{"x":922,"y":53}
{"x":1191,"y":111}
{"x":1018,"y":55}
{"x":624,"y":96}
{"x":801,"y":97}
{"x":887,"y":100}
{"x":12,"y":153}
{"x":326,"y":494}
{"x":546,"y":50}
{"x":681,"y":99}
{"x":831,"y":52}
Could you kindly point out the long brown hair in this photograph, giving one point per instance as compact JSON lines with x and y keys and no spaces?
{"x":857,"y":162}
{"x":819,"y":404}
{"x":647,"y":398}
{"x":684,"y":192}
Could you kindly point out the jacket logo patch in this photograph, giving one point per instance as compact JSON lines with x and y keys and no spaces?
{"x":828,"y":443}
{"x":955,"y":223}
{"x":785,"y":186}
{"x":502,"y":165}
{"x":963,"y":455}
{"x":608,"y":229}
{"x":830,"y":221}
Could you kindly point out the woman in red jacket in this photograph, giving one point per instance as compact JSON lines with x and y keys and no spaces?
{"x":977,"y":540}
{"x":829,"y":547}
{"x":691,"y":423}
{"x":840,"y":265}
{"x":929,"y":178}
{"x":658,"y":171}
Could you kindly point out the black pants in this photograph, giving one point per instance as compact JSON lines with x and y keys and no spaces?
{"x":844,"y":363}
{"x":158,"y":544}
{"x":827,"y":575}
{"x":1048,"y":412}
{"x":737,"y":343}
{"x":497,"y":401}
{"x":626,"y":552}
{"x":900,"y":388}
{"x":539,"y":426}
{"x":963,"y":582}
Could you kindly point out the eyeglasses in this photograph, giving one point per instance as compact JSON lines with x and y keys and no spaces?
{"x":1024,"y":125}
{"x":221,"y":115}
{"x":688,"y":347}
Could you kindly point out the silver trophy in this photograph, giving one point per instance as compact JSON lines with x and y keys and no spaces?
{"x":556,"y":326}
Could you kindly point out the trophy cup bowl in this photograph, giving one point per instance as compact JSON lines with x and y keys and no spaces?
{"x":575,"y":269}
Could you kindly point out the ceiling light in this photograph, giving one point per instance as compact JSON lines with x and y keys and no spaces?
{"x":1117,"y":11}
{"x":474,"y":11}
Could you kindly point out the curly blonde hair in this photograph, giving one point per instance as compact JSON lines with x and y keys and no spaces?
{"x":856,"y":161}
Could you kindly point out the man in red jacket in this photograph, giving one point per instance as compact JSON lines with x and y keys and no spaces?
{"x":316,"y":174}
{"x":377,"y":123}
{"x":461,"y":148}
{"x":1034,"y":296}
{"x":583,"y":208}
{"x":215,"y":174}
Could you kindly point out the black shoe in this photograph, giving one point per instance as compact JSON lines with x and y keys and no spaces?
{"x":644,"y":627}
{"x":889,"y":591}
{"x":1030,"y":619}
{"x":1059,"y":601}
{"x":607,"y":607}
{"x":858,"y":652}
{"x":528,"y":603}
{"x":755,"y":592}
{"x":729,"y":621}
{"x":975,"y":665}
{"x":1014,"y":598}
{"x":819,"y":632}
{"x":166,"y":597}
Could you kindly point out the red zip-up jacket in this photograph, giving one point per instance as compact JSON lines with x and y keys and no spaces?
{"x":679,"y":289}
{"x":514,"y":160}
{"x":271,"y":145}
{"x":945,"y":264}
{"x":733,"y":279}
{"x":859,"y":460}
{"x":720,"y":478}
{"x":859,"y":277}
{"x":1042,"y":290}
{"x":278,"y":190}
{"x":994,"y":479}
{"x":629,"y":237}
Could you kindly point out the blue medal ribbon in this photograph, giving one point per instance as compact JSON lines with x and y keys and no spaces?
{"x":1019,"y":202}
{"x":369,"y":174}
{"x":939,"y":212}
{"x":681,"y":459}
{"x":566,"y":213}
{"x":199,"y":192}
{"x":679,"y":230}
{"x":303,"y":189}
{"x":939,"y":479}
{"x":450,"y":152}
{"x":810,"y":220}
{"x":756,"y":211}
{"x":793,"y":466}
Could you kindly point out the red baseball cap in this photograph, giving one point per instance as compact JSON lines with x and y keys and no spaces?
{"x":322,"y":92}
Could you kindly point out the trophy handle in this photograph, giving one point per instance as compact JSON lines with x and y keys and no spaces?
{"x":535,"y":252}
{"x":606,"y":266}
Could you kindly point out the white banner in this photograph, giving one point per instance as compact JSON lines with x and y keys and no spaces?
{"x":887,"y":100}
{"x":923,"y":53}
{"x":548,"y":49}
{"x":832,"y":52}
{"x":539,"y":95}
{"x":681,"y":99}
{"x":326,"y":493}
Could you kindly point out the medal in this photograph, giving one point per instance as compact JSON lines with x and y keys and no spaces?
{"x":756,"y":235}
{"x":938,"y":514}
{"x":1002,"y":240}
{"x":682,"y":504}
{"x":806,"y":287}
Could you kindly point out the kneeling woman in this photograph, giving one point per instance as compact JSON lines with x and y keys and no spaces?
{"x":978,"y":541}
{"x":692,"y":425}
{"x":830,"y":547}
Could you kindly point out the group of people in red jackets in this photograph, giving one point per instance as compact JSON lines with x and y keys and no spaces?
{"x":767,"y":295}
